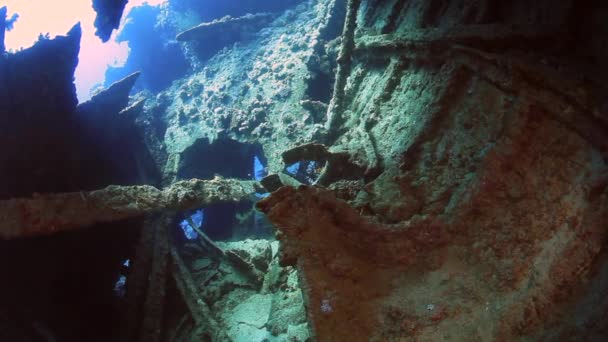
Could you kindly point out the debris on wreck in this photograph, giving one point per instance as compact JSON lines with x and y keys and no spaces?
{"x":272,"y":308}
{"x":227,"y":28}
{"x":113,"y":99}
{"x":334,"y":166}
{"x":322,"y":170}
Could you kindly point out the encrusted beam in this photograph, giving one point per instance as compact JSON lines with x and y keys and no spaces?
{"x":201,"y":313}
{"x":476,"y":35}
{"x":339,"y":165}
{"x":52,"y":213}
{"x":226,"y":25}
{"x":336,"y":106}
{"x":138,"y":277}
{"x":154,"y":306}
{"x":229,"y":256}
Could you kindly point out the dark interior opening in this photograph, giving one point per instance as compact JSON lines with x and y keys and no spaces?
{"x":322,"y":65}
{"x":224,"y":157}
{"x":320,"y":87}
{"x":65,"y":283}
{"x":229,"y":159}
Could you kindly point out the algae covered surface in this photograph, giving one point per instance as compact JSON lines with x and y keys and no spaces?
{"x":313,"y":170}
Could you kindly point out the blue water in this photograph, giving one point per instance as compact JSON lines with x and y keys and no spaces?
{"x":189,"y":231}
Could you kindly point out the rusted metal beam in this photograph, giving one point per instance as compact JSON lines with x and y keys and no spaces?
{"x":51,"y":213}
{"x":201,"y":313}
{"x":154,"y":305}
{"x":336,"y":106}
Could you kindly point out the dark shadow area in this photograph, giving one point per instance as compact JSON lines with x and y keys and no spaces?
{"x":102,"y":117}
{"x":64,"y":283}
{"x":322,"y":64}
{"x":221,"y":220}
{"x":37,"y":126}
{"x":320,"y":87}
{"x":61,"y":287}
{"x":226,"y":158}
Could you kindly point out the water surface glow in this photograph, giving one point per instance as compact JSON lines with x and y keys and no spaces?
{"x":56,"y":18}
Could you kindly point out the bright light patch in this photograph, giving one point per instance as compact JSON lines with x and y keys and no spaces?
{"x":197,"y":219}
{"x":305,"y":171}
{"x":259,"y":170}
{"x":120,"y":287}
{"x":293,"y":168}
{"x":57,"y":18}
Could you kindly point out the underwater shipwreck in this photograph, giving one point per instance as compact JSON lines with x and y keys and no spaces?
{"x":310,"y":170}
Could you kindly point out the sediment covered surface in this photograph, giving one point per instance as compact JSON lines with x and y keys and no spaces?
{"x":452,"y":185}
